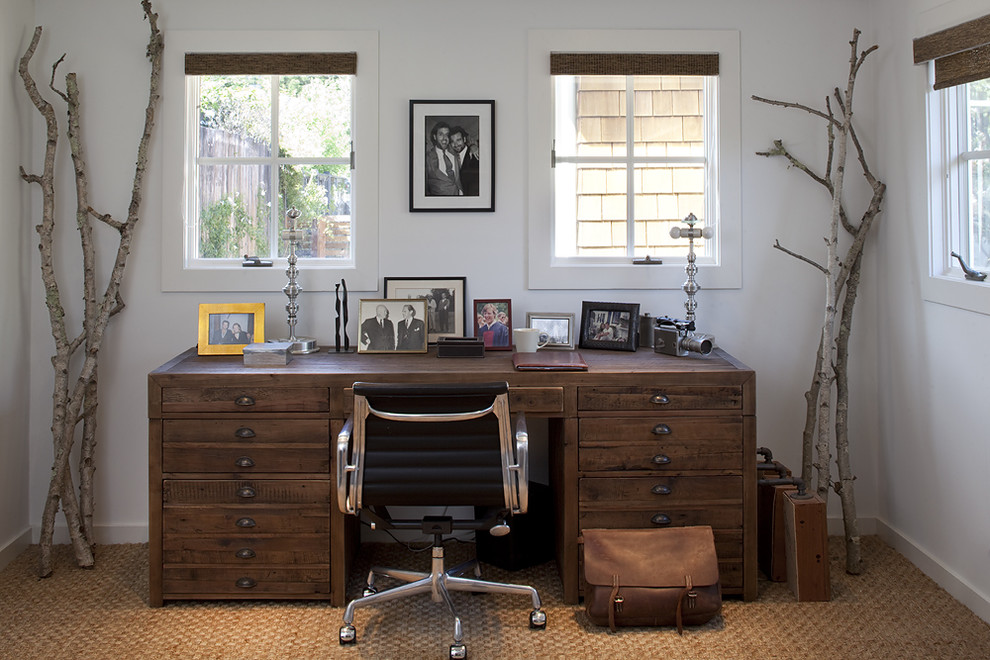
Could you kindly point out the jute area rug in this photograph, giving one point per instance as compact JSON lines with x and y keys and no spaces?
{"x":892,"y":611}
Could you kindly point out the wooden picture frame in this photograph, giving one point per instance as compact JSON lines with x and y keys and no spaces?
{"x":446,"y":313}
{"x":612,"y":326}
{"x":217,"y":323}
{"x":433,"y":127}
{"x":559,"y":327}
{"x":490,"y":328}
{"x":384,"y":333}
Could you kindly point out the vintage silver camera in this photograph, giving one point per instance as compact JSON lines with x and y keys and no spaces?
{"x":676,"y":337}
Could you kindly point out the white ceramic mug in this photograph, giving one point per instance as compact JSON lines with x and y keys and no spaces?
{"x":528,"y":340}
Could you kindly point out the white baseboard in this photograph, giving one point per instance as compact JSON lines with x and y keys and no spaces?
{"x":14,"y":547}
{"x":957,"y":587}
{"x":105,"y":534}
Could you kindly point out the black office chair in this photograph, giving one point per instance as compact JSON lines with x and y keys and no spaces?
{"x":427,"y":445}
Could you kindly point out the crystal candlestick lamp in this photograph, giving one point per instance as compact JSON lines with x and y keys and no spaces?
{"x":690,"y":286}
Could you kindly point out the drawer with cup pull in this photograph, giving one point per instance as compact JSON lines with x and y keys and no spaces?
{"x":290,"y":549}
{"x":256,"y":459}
{"x":674,"y":397}
{"x":245,"y":432}
{"x":236,"y":491}
{"x":654,"y":491}
{"x":245,"y":582}
{"x":245,"y":520}
{"x":245,"y":399}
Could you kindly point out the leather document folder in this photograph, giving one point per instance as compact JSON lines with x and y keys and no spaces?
{"x":549,"y":361}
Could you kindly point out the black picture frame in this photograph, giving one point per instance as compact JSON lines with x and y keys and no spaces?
{"x":445,"y":318}
{"x":430,"y":188}
{"x":610,"y":326}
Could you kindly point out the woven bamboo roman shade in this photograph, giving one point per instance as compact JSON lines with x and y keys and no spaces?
{"x":634,"y":64}
{"x":270,"y":64}
{"x":961,"y":53}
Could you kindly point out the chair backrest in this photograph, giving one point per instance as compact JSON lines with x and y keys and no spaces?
{"x":433,"y":444}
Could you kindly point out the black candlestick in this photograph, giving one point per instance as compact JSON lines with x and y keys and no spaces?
{"x":337,"y":319}
{"x":347,"y":341}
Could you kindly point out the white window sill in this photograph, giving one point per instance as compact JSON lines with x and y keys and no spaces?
{"x":956,"y":291}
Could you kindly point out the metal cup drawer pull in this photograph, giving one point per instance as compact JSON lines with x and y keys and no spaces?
{"x":244,"y":462}
{"x":246,"y":583}
{"x":659,"y":399}
{"x":660,"y":459}
{"x":244,"y":433}
{"x":244,"y":401}
{"x":246,"y":492}
{"x":660,"y":519}
{"x":245,"y":553}
{"x":660,"y":429}
{"x":245,"y":522}
{"x":660,"y":489}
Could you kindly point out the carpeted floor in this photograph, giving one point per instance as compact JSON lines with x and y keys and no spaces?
{"x":891,"y":612}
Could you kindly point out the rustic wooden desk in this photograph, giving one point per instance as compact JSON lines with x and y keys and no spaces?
{"x":241,"y":481}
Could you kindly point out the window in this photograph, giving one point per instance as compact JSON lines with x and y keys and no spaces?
{"x":959,"y":162}
{"x":638,"y":140}
{"x":262,"y":132}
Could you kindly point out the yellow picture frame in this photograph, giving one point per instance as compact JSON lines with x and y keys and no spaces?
{"x":217,"y":323}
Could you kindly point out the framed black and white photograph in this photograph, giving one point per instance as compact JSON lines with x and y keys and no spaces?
{"x":559,"y":327}
{"x":444,"y":296}
{"x":451,"y":156}
{"x":493,"y":323}
{"x":609,"y":325}
{"x":226,"y":328}
{"x":392,"y":326}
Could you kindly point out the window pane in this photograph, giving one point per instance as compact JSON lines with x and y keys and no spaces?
{"x":234,"y":211}
{"x":665,"y":195}
{"x":601,"y":210}
{"x":669,"y":119}
{"x":314,"y":116}
{"x":979,"y":213}
{"x":979,"y":115}
{"x":322,"y":194}
{"x":590,"y":116}
{"x":235,"y":116}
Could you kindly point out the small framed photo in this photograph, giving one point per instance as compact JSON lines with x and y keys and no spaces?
{"x":452,"y":156}
{"x":392,"y":326}
{"x":225,"y":329}
{"x":445,"y":310}
{"x":493,"y":323}
{"x":559,"y":327}
{"x":609,"y":325}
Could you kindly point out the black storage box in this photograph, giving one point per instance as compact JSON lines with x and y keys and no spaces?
{"x":460,"y":347}
{"x":530,"y":540}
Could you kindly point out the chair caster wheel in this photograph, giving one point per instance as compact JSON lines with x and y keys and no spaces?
{"x":369,"y":591}
{"x":458,"y":652}
{"x":538,"y":619}
{"x":348,"y":635}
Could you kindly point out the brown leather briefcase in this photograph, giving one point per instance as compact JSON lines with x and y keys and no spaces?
{"x":651,"y":577}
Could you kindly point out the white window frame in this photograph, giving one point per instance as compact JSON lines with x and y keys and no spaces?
{"x":179,"y":272}
{"x":948,"y":205}
{"x":724,"y":269}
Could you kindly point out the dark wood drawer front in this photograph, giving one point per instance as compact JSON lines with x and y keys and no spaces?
{"x":718,"y":517}
{"x":246,"y":432}
{"x":258,"y":491}
{"x":536,"y":399}
{"x":662,"y":457}
{"x":677,"y":397}
{"x":245,"y":399}
{"x":245,"y":520}
{"x":659,"y":491}
{"x":247,"y":581}
{"x":255,"y":459}
{"x":713,"y":430}
{"x":283,"y":549}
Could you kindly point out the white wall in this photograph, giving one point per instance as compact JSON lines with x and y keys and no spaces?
{"x":15,"y":262}
{"x":933,"y":447}
{"x":791,"y":49}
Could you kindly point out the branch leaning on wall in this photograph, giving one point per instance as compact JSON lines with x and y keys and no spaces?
{"x":841,"y":280}
{"x":75,"y":400}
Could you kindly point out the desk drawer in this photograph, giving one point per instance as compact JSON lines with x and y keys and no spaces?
{"x":245,"y":399}
{"x":246,"y":432}
{"x":253,"y":492}
{"x":660,"y":491}
{"x":536,"y":399}
{"x":246,"y":520}
{"x":658,"y":428}
{"x":245,"y":582}
{"x":256,"y":459}
{"x":675,"y":397}
{"x":662,"y":457}
{"x":283,"y":549}
{"x":718,"y":517}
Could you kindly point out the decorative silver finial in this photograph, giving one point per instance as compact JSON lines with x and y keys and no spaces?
{"x":690,"y":286}
{"x":292,"y":234}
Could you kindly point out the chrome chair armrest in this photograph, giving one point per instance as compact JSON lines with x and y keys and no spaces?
{"x":521,"y":467}
{"x":345,"y":485}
